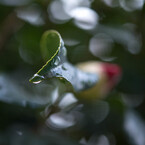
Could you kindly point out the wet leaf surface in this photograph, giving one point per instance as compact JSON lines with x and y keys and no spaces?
{"x":57,"y":66}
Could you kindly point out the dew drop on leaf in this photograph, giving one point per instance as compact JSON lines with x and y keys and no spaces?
{"x":63,"y":67}
{"x":56,"y":61}
{"x":37,"y":79}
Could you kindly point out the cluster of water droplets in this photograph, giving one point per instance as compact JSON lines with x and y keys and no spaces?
{"x":56,"y":61}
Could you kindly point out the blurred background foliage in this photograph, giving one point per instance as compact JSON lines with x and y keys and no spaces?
{"x":103,"y":30}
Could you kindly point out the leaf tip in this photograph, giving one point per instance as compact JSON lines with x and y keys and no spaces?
{"x":36,"y":79}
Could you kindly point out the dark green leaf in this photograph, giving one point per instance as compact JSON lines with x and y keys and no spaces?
{"x":50,"y":44}
{"x":57,"y":66}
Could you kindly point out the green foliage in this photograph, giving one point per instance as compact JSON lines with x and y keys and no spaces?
{"x":57,"y":66}
{"x":50,"y":44}
{"x":109,"y":31}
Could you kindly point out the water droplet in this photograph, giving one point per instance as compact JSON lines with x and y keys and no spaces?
{"x":63,"y":67}
{"x":58,"y":75}
{"x":37,"y":82}
{"x":36,"y":75}
{"x":37,"y":79}
{"x":56,"y":61}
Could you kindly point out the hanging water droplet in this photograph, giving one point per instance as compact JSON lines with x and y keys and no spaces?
{"x":56,"y":61}
{"x":39,"y":76}
{"x":37,"y":82}
{"x":37,"y":79}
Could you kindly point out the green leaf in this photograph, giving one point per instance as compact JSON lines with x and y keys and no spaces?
{"x":50,"y":44}
{"x":57,"y":66}
{"x":35,"y":96}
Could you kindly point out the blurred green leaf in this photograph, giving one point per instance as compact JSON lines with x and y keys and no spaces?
{"x":29,"y":44}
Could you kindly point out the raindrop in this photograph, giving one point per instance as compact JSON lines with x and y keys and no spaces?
{"x":57,"y":74}
{"x":37,"y":79}
{"x":37,"y":82}
{"x":63,"y":67}
{"x":56,"y":60}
